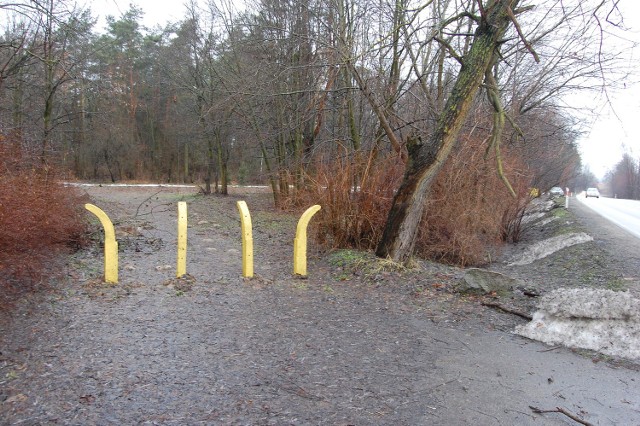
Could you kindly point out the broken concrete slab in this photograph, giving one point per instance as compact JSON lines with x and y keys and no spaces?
{"x":601,"y":320}
{"x":482,"y":281}
{"x":592,"y":303}
{"x":531,"y":217}
{"x":542,"y":204}
{"x":544,"y":222}
{"x":549,"y":246}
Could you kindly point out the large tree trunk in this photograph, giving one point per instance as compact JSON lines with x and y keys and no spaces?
{"x":426,"y":159}
{"x":222,"y":166}
{"x":210,"y":166}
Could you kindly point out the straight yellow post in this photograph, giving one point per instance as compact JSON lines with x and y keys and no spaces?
{"x":247,"y":240}
{"x":300,"y":242}
{"x":181,"y":268}
{"x":110,"y":244}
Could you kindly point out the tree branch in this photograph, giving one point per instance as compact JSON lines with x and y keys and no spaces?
{"x":379,"y":112}
{"x":498,"y":126}
{"x":507,"y":310}
{"x":513,"y":19}
{"x":562,"y":411}
{"x":447,"y":46}
{"x":483,"y":12}
{"x":465,"y":14}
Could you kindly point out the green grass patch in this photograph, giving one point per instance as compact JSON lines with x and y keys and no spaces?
{"x":348,"y":258}
{"x":361,"y":263}
{"x":616,"y":284}
{"x":560,"y":213}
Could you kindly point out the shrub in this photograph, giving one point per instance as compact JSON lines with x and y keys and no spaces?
{"x":470,"y":209}
{"x":355,"y":198}
{"x":468,"y":215}
{"x":40,"y":218}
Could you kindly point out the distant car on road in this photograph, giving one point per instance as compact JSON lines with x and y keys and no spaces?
{"x":592,"y":192}
{"x":556,"y":190}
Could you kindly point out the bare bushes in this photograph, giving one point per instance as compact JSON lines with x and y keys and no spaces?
{"x":355,"y":199}
{"x":513,"y":220}
{"x":39,"y":218}
{"x":470,"y":211}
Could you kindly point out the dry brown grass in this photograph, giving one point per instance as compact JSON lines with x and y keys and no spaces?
{"x":39,"y":217}
{"x":355,"y":198}
{"x":469,"y":209}
{"x":469,"y":213}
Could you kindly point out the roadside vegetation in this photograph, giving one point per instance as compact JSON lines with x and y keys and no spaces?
{"x":40,"y":219}
{"x":470,"y":212}
{"x":361,"y":106}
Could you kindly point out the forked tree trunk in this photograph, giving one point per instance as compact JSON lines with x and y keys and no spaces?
{"x":426,"y":159}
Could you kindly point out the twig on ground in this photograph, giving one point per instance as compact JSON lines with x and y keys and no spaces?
{"x":550,"y":349}
{"x":465,"y":345}
{"x":144,"y":201}
{"x":497,"y":305}
{"x":562,"y":411}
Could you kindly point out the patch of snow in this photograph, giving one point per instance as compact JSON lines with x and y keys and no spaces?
{"x":594,"y":304}
{"x":545,"y":221}
{"x":532,"y":217}
{"x":542,"y":205}
{"x":599,"y":320}
{"x":128,"y":185}
{"x":549,"y":246}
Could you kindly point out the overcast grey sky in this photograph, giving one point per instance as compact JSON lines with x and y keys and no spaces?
{"x":617,"y":129}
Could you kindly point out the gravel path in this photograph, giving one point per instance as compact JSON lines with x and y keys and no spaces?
{"x":339,"y":348}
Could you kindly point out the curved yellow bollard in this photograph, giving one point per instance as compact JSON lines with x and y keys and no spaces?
{"x":181,"y":268}
{"x":110,"y":244}
{"x":300,"y":242}
{"x":247,"y":240}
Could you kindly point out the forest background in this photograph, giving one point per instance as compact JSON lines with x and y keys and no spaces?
{"x":322,"y":101}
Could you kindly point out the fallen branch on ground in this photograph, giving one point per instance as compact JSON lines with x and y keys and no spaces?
{"x":562,"y":411}
{"x":144,"y":201}
{"x":497,"y":305}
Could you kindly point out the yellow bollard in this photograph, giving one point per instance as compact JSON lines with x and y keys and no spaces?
{"x":300,"y":242}
{"x":247,"y":240}
{"x":181,"y":268}
{"x":110,"y":244}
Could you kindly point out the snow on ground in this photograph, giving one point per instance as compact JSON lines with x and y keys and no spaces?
{"x":601,"y":320}
{"x":549,"y":246}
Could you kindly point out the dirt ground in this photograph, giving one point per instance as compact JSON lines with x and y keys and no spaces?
{"x":360,"y":342}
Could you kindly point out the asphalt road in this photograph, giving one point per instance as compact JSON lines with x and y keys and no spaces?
{"x":624,"y":213}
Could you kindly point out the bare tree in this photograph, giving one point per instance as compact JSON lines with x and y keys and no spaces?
{"x":624,"y":178}
{"x":426,"y":158}
{"x":43,"y":56}
{"x":481,"y":37}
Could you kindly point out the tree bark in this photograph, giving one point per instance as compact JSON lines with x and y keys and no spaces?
{"x":426,"y":159}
